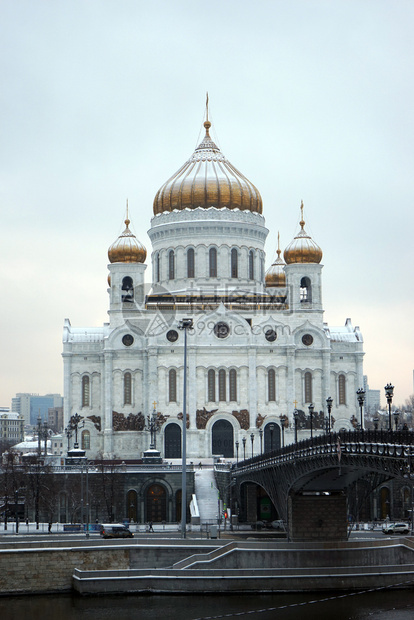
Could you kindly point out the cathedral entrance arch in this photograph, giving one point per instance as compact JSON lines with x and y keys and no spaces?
{"x":271,"y":437}
{"x":156,"y":504}
{"x":172,"y":441}
{"x":132,"y":503}
{"x":222,"y":438}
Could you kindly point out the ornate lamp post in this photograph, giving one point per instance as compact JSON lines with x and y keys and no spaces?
{"x":361,"y":399}
{"x":271,"y":429}
{"x":261,"y":440}
{"x":311,"y":409}
{"x":237,"y":452}
{"x":376,"y":420}
{"x":295,"y":417}
{"x":252,"y":440}
{"x":283,"y":419}
{"x":329,"y":402}
{"x":389,"y":393}
{"x":244,"y":448}
{"x":184,"y":324}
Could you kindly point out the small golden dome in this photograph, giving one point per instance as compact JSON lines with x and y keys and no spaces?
{"x":207,"y":180}
{"x":109,"y":279}
{"x":302,"y":249}
{"x":275,"y":275}
{"x":127,"y":248}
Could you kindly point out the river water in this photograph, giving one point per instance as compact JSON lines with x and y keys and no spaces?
{"x":381,"y":604}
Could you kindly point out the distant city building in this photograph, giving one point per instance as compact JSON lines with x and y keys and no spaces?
{"x":372,"y":399}
{"x":30,"y":406}
{"x":55,"y":419}
{"x":57,"y":445}
{"x":11,"y":427}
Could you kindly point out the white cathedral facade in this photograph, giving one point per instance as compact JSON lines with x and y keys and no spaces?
{"x":259,"y":349}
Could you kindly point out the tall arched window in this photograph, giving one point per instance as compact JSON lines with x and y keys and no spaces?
{"x":308,"y":387}
{"x":86,"y":440}
{"x":234,"y":263}
{"x":341,"y":390}
{"x":190,"y":263}
{"x":271,"y":385}
{"x":128,"y":289}
{"x":233,"y":384}
{"x":251,"y":265}
{"x":212,"y":257}
{"x":127,"y":388}
{"x":85,"y":392}
{"x":211,"y":387}
{"x":172,"y":386}
{"x":171,"y":265}
{"x":222,"y":385}
{"x":305,"y":290}
{"x":157,"y":267}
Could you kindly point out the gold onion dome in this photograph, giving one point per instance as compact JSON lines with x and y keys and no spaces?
{"x":207,"y":180}
{"x":127,"y":248}
{"x":302,"y":249}
{"x":275,"y":275}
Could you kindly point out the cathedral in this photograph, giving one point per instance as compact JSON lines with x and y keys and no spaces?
{"x":258,"y":352}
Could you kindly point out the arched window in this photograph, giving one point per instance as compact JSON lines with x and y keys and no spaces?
{"x":86,"y":440}
{"x":171,"y":265}
{"x":271,"y":385}
{"x":157,"y":267}
{"x":222,"y":385}
{"x":128,"y":288}
{"x":85,"y":392}
{"x":212,"y":256}
{"x":172,"y":386}
{"x":305,"y":290}
{"x":222,"y":438}
{"x":308,"y":387}
{"x":341,"y":390}
{"x":156,"y":504}
{"x":234,"y":263}
{"x":190,"y":263}
{"x":233,"y":384}
{"x":127,"y":388}
{"x":251,"y":265}
{"x":132,"y":505}
{"x":211,"y":386}
{"x":172,"y":441}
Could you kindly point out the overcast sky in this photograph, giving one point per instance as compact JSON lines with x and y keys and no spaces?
{"x":102,"y":100}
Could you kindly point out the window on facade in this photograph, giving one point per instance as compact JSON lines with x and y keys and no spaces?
{"x":171,"y":265}
{"x":190,"y":263}
{"x":212,"y":255}
{"x":234,"y":263}
{"x":172,"y":386}
{"x":86,"y":440}
{"x":341,"y":390}
{"x":305,"y":290}
{"x":127,"y":388}
{"x":157,"y":268}
{"x":211,"y":387}
{"x":85,"y":392}
{"x":251,"y":265}
{"x":127,"y":289}
{"x":222,"y":385}
{"x":233,"y":384}
{"x":308,"y":387}
{"x":271,"y":385}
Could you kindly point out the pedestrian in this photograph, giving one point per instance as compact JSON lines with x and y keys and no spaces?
{"x":150,"y":528}
{"x":200,"y":465}
{"x":50,"y":527}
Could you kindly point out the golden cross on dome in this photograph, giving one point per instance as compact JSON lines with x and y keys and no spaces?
{"x":127,"y":218}
{"x":155,"y":404}
{"x":295,"y":402}
{"x":207,"y":106}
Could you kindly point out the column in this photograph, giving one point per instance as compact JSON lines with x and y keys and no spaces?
{"x":108,"y":405}
{"x":192,"y":386}
{"x":252,"y":388}
{"x":67,"y":385}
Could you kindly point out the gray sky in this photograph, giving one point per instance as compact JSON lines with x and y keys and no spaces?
{"x":103,"y":100}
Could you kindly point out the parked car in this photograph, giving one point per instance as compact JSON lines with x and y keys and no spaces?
{"x":115,"y":530}
{"x":395,"y":528}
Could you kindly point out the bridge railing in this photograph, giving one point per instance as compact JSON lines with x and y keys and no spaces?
{"x":382,"y":443}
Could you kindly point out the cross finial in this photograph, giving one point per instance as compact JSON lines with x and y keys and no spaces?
{"x":295,"y":402}
{"x":127,"y":216}
{"x":302,"y":222}
{"x":207,"y":106}
{"x":154,"y":404}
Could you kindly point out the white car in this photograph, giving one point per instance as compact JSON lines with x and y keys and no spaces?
{"x":396,"y":528}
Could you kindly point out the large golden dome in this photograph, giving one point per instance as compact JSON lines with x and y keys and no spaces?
{"x":275,"y":275}
{"x":127,"y":248}
{"x":302,"y":249}
{"x":207,"y":180}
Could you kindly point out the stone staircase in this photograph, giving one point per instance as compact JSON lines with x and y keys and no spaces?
{"x":207,"y":495}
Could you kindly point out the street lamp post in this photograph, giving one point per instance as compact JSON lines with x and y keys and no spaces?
{"x":237,"y":452}
{"x":396,"y":418}
{"x":252,"y":440}
{"x":244,"y":448}
{"x":295,"y":417}
{"x":389,"y":393}
{"x":311,"y":409}
{"x":361,"y":399}
{"x":261,"y":440}
{"x":184,"y":324}
{"x":376,"y":420}
{"x":329,"y":402}
{"x":283,"y":420}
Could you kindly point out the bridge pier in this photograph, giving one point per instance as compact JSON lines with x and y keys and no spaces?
{"x":317,"y":517}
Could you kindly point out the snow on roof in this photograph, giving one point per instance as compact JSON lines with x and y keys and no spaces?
{"x":345,"y":333}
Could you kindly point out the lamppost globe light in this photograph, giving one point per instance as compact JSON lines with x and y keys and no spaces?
{"x":361,"y":399}
{"x":389,"y":393}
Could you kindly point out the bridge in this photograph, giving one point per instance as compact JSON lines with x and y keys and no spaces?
{"x":309,"y":482}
